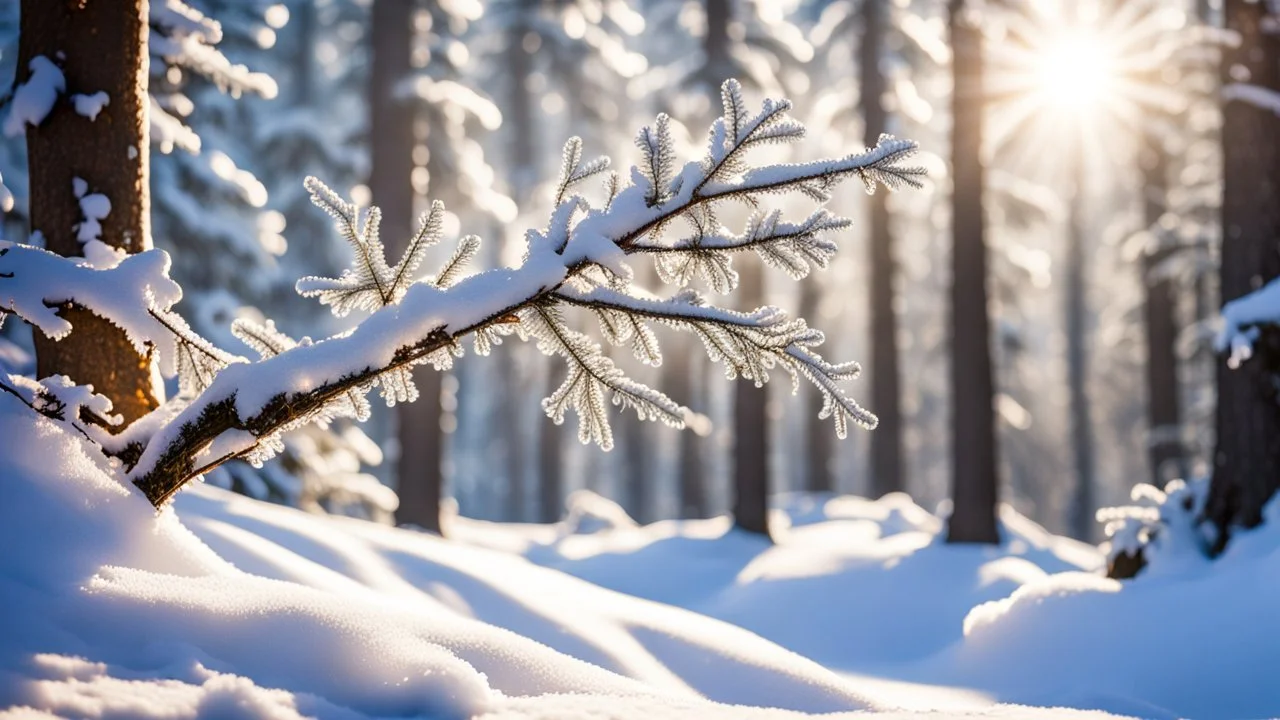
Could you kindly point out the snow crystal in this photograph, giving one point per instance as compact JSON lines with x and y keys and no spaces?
{"x":33,"y":100}
{"x":90,"y":105}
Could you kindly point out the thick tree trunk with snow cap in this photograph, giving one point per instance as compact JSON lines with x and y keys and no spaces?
{"x":99,"y":47}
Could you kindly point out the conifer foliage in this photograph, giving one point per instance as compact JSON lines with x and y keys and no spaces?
{"x":580,"y":260}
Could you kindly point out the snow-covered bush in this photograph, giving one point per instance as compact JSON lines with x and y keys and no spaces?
{"x":229,"y":407}
{"x":1160,"y":524}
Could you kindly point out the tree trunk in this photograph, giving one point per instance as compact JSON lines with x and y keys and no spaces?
{"x":716,"y":43}
{"x":418,"y":470}
{"x":105,"y":46}
{"x":550,"y":460}
{"x":818,"y":444}
{"x":1164,"y":414}
{"x":638,"y":481}
{"x":524,"y":161}
{"x":1247,"y":457}
{"x":973,"y":433}
{"x":750,"y":467}
{"x":681,"y":366}
{"x":1081,"y":514}
{"x":887,"y":470}
{"x":303,"y":18}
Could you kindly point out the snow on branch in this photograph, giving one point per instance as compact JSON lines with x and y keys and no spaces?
{"x":1255,"y":95}
{"x":1242,"y":320}
{"x":35,"y":284}
{"x":580,"y":258}
{"x":182,"y":36}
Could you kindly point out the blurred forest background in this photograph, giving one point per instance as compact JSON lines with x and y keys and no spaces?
{"x":1097,"y":168}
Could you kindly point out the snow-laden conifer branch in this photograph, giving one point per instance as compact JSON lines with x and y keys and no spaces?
{"x":580,"y":258}
{"x":749,"y":344}
{"x":592,"y":375}
{"x":791,"y":247}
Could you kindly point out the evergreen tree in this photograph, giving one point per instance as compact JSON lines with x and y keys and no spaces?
{"x":209,"y":206}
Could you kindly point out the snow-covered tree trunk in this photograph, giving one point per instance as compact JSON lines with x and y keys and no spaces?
{"x":77,"y":161}
{"x":974,"y":482}
{"x":888,"y":474}
{"x":1159,"y":313}
{"x":1246,"y":471}
{"x":419,"y":467}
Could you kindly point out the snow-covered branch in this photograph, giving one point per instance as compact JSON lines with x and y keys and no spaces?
{"x":580,"y":258}
{"x":1242,"y":320}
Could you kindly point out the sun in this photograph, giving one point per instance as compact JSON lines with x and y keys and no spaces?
{"x":1075,"y":71}
{"x":1072,"y":79}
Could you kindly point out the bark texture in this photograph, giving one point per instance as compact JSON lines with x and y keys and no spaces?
{"x":100,"y":46}
{"x":419,"y":473}
{"x":974,"y":481}
{"x":888,"y":473}
{"x":1246,"y":470}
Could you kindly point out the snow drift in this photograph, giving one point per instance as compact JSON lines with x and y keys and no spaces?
{"x":112,"y":610}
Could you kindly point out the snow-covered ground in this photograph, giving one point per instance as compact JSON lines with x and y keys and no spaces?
{"x":224,"y":607}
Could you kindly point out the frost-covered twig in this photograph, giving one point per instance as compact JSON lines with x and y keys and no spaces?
{"x":580,"y":258}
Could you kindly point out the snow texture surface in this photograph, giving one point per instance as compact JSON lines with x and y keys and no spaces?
{"x":222,"y":606}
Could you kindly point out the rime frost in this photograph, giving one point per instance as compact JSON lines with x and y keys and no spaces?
{"x":579,"y":261}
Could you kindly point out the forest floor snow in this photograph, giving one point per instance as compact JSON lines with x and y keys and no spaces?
{"x":224,"y":607}
{"x":870,"y":590}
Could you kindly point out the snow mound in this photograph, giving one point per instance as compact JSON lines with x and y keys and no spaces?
{"x":588,"y":513}
{"x":113,"y":610}
{"x":668,"y":649}
{"x":1087,"y":641}
{"x":862,"y":582}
